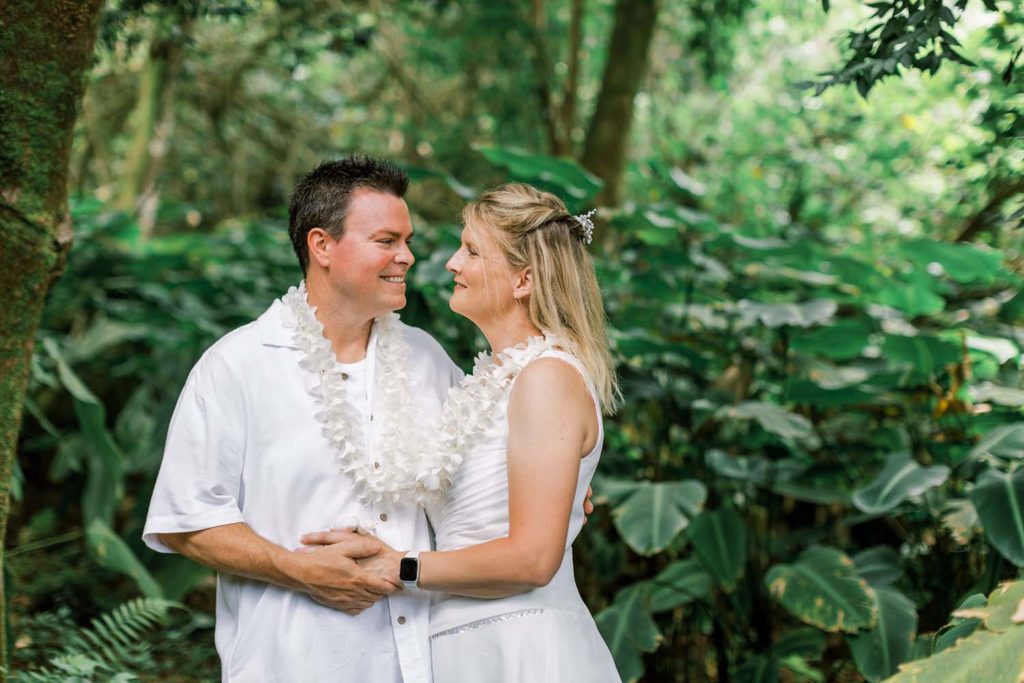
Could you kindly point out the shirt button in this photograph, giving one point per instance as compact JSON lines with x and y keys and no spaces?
{"x":401,"y":620}
{"x":383,"y":516}
{"x":376,"y":465}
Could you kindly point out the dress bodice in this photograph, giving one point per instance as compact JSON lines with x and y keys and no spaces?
{"x":476,"y":507}
{"x":475,"y":511}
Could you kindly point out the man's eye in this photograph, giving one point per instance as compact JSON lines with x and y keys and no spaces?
{"x":387,"y":241}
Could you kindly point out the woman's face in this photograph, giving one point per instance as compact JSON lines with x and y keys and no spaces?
{"x":485,"y":284}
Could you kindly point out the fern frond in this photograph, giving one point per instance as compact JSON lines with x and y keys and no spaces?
{"x":110,"y":645}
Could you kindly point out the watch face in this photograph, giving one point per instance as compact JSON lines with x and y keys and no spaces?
{"x":409,"y":569}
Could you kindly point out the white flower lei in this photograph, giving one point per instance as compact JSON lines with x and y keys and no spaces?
{"x":469,"y":409}
{"x":413,"y":465}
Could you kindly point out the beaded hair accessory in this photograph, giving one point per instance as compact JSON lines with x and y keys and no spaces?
{"x":588,"y":225}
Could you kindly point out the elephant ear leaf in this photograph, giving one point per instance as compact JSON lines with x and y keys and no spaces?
{"x":822,"y":588}
{"x":900,"y":479}
{"x":629,"y":631}
{"x":879,"y":651}
{"x":999,"y":500}
{"x":653,"y":514}
{"x":720,"y":539}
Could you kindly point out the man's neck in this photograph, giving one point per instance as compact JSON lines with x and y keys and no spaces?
{"x":345,"y":326}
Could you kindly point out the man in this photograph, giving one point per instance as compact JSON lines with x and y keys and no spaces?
{"x":285,"y":427}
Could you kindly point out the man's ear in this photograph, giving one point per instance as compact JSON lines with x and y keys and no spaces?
{"x":522,"y":284}
{"x":318,"y":243}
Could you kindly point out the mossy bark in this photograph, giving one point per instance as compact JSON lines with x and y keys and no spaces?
{"x":45,"y":50}
{"x":604,"y":151}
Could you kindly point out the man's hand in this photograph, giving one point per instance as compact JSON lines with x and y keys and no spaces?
{"x":331,"y":576}
{"x":383,"y":564}
{"x":588,"y":505}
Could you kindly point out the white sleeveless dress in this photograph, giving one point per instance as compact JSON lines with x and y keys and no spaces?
{"x":544,"y":635}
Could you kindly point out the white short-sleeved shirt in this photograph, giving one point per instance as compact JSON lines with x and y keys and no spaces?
{"x":244,"y":446}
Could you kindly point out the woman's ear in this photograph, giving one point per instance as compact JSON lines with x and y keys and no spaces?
{"x":318,"y":244}
{"x":522,"y":284}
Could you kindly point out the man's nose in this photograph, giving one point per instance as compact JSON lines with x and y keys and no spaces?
{"x":405,"y":255}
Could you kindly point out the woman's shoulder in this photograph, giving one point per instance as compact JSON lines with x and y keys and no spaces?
{"x":553,"y":378}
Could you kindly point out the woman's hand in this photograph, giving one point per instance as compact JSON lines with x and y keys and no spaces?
{"x":383,"y":565}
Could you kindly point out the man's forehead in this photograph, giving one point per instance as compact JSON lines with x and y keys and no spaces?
{"x":371,"y":210}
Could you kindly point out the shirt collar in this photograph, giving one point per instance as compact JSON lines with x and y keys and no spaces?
{"x":276,"y":326}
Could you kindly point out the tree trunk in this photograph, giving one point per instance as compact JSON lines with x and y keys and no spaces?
{"x":153,"y":124}
{"x":45,"y":50}
{"x":604,"y":150}
{"x":567,"y":111}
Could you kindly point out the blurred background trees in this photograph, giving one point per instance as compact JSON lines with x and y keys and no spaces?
{"x":815,"y":300}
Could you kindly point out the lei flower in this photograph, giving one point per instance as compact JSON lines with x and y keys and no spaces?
{"x":411,"y":469}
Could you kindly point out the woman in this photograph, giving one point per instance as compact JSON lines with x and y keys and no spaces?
{"x":526,"y":426}
{"x":528,"y":422}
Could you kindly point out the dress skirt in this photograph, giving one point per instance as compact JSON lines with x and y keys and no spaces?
{"x":539,"y":645}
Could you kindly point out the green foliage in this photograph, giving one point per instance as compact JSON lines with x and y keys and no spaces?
{"x":811,"y":356}
{"x":911,"y":35}
{"x":999,"y":499}
{"x":109,"y":649}
{"x":822,"y":588}
{"x":994,"y":652}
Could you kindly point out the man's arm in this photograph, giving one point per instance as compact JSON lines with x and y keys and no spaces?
{"x":330,"y":575}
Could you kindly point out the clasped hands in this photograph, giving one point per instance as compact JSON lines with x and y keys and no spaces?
{"x":348,"y":570}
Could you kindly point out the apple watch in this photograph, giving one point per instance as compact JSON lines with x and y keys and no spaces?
{"x":409,"y":570}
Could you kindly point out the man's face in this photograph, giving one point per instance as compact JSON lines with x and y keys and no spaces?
{"x":369,"y":263}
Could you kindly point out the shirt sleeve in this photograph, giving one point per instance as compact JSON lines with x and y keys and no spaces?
{"x":199,"y":483}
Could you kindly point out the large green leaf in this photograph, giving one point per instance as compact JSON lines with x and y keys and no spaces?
{"x":916,"y":297}
{"x":879,"y":651}
{"x":720,"y":539}
{"x":880,"y":566}
{"x":841,"y":341}
{"x":999,"y":500}
{"x":679,"y":583}
{"x":416,"y":173}
{"x":104,"y":484}
{"x":806,"y":392}
{"x":113,"y":553}
{"x":758,"y":669}
{"x":822,"y":588}
{"x":803,"y":314}
{"x":927,"y":355}
{"x":562,"y":175}
{"x":752,"y":468}
{"x":808,"y":643}
{"x":629,"y":631}
{"x":772,"y":418}
{"x":1003,"y":610}
{"x":984,"y":656}
{"x":900,"y":479}
{"x":823,"y":484}
{"x":655,"y":513}
{"x":1003,"y":442}
{"x":962,"y":262}
{"x":959,"y":627}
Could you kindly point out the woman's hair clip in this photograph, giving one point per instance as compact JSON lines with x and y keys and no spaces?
{"x":588,"y":225}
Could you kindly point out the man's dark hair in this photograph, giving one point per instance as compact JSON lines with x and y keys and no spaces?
{"x":323,"y":198}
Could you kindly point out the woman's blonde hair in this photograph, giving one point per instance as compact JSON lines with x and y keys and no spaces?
{"x":534,"y":229}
